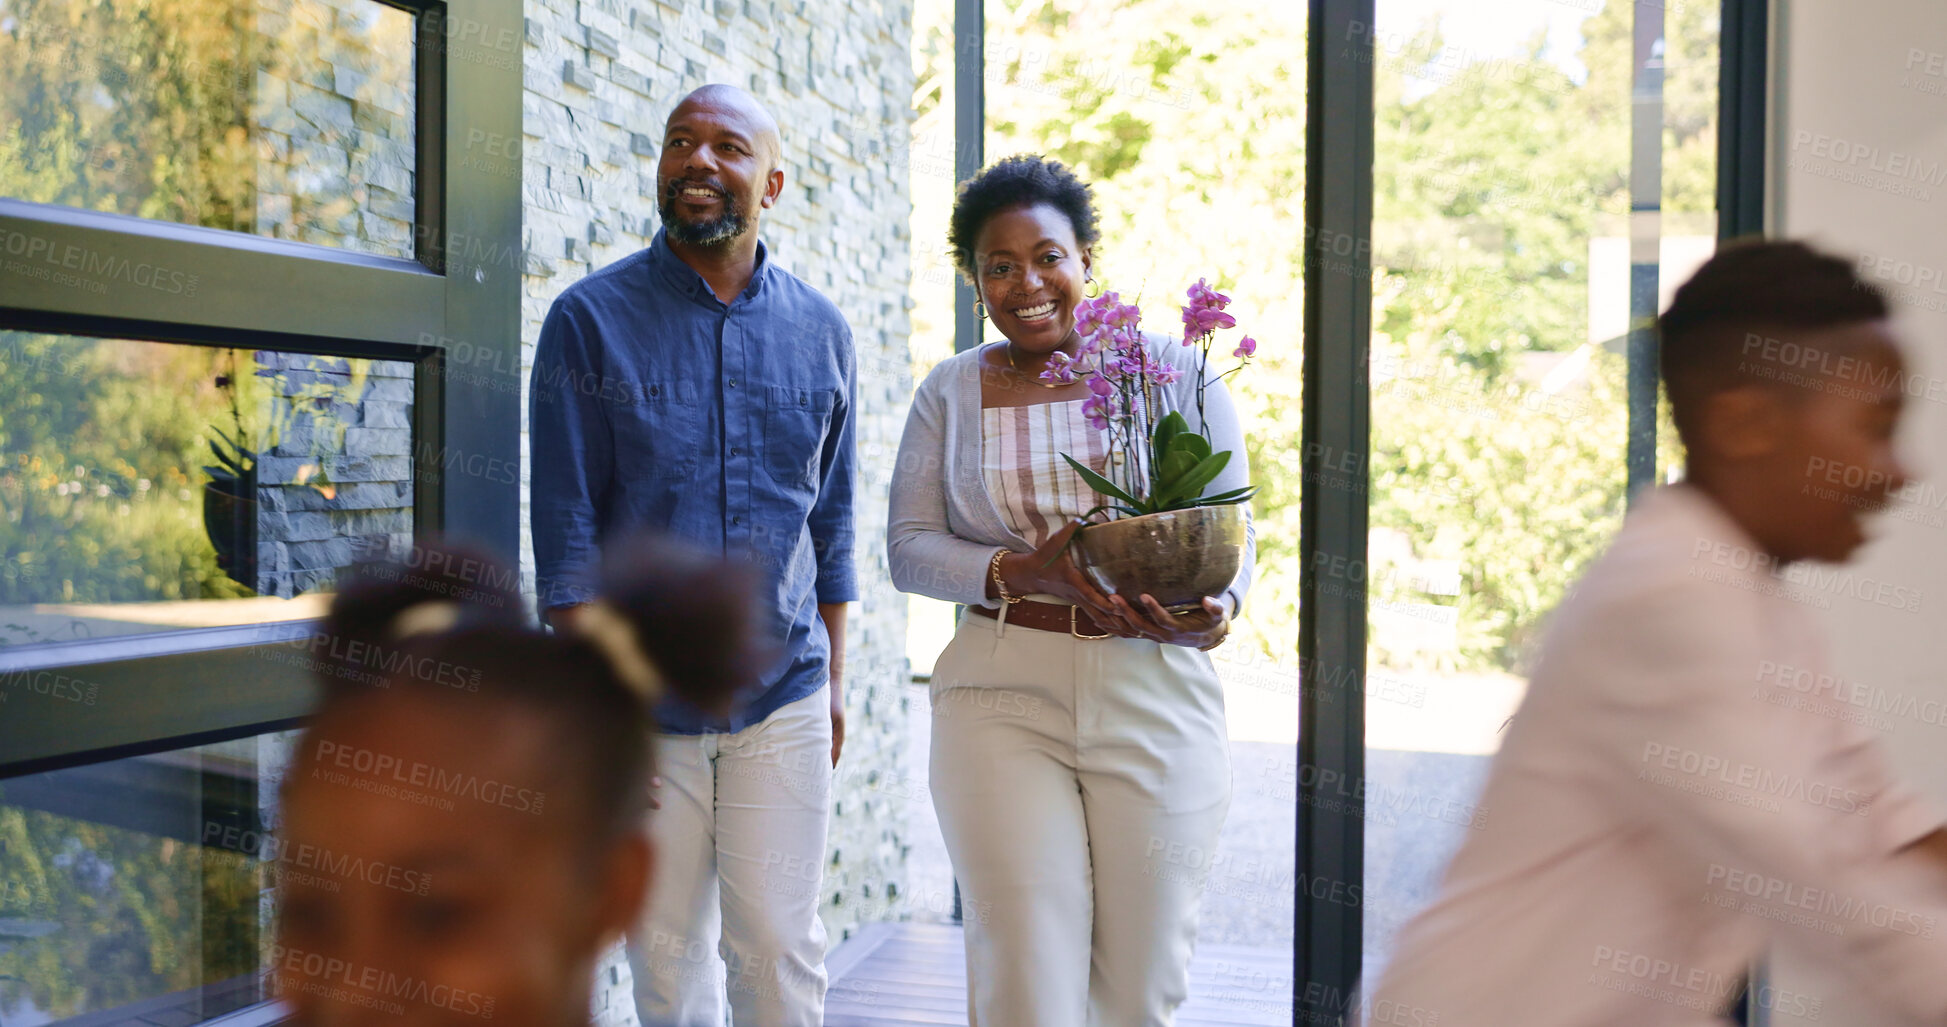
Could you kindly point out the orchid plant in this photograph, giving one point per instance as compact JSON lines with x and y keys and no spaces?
{"x":1162,"y":464}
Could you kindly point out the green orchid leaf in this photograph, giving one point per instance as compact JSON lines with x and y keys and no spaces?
{"x":1174,"y":466}
{"x":1233,"y":496}
{"x":1190,"y":486}
{"x":1192,"y":443}
{"x":1167,"y":430}
{"x":1111,"y":506}
{"x":1101,"y":484}
{"x":224,"y":459}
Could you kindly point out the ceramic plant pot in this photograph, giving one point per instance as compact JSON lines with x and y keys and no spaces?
{"x":230,"y":521}
{"x":1178,"y":556}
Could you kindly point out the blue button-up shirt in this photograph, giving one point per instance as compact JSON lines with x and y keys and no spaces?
{"x":656,"y":406}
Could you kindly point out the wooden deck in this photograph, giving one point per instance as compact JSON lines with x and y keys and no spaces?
{"x":904,"y":974}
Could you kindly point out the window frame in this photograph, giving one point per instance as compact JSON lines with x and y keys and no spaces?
{"x":163,"y":691}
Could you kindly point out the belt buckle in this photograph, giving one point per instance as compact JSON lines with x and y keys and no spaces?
{"x":1075,"y":611}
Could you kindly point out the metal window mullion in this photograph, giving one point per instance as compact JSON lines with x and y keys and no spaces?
{"x":969,"y":139}
{"x":1743,"y":91}
{"x":1332,"y":507}
{"x":1743,"y":86}
{"x":129,"y":268}
{"x":478,"y":437}
{"x":431,"y":30}
{"x":101,"y":710}
{"x":1649,"y":55}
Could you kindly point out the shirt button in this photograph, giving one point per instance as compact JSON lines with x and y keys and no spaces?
{"x":734,"y":521}
{"x":734,"y":451}
{"x":733,"y":383}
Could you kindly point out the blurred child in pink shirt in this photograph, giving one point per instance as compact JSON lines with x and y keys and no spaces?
{"x":1679,"y":790}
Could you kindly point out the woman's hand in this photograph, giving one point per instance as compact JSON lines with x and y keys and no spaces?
{"x":1196,"y":629}
{"x":1050,"y":570}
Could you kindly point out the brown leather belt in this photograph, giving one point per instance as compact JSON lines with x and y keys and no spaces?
{"x":1029,"y":613}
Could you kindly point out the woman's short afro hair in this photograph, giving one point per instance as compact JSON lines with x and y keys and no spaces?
{"x":1023,"y":180}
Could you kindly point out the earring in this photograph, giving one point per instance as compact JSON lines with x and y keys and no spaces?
{"x":980,"y":310}
{"x":1086,"y":282}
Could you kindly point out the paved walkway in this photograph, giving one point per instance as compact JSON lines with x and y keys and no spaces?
{"x":904,"y":974}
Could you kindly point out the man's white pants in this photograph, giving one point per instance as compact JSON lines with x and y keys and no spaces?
{"x":1081,"y":787}
{"x":740,"y":852}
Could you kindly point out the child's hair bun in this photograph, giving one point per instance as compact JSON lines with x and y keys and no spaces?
{"x":696,"y":615}
{"x":434,"y":588}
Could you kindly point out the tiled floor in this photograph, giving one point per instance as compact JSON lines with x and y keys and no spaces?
{"x":898,"y":975}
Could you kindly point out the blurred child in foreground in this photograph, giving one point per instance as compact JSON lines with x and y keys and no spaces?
{"x":1667,"y":804}
{"x":469,"y":798}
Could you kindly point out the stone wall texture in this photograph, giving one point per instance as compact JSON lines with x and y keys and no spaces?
{"x":601,"y":77}
{"x":332,"y":121}
{"x":335,"y":485}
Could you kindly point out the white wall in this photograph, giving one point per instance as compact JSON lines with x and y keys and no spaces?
{"x":1859,"y":166}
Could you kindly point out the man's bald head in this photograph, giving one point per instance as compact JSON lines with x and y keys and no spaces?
{"x":719,"y":169}
{"x":729,"y":103}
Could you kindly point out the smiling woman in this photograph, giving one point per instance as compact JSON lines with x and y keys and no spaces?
{"x":1128,"y":747}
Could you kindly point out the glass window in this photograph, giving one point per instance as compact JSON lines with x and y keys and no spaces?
{"x":141,"y":885}
{"x":285,"y":118}
{"x":146,"y":486}
{"x":1504,"y":297}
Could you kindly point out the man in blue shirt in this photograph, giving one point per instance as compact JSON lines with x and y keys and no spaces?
{"x":695,"y":387}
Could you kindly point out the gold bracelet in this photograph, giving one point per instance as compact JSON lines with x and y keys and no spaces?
{"x":994,"y":571}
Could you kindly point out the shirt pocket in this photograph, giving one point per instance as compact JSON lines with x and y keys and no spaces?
{"x":659,"y":430}
{"x":795,"y":423}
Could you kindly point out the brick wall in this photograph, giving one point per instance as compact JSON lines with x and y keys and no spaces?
{"x":601,"y":77}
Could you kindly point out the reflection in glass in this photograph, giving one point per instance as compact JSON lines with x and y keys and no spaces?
{"x":285,"y":118}
{"x":145,"y":486}
{"x":139,"y":885}
{"x":1501,"y":310}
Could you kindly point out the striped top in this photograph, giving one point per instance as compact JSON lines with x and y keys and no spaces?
{"x":1035,"y":490}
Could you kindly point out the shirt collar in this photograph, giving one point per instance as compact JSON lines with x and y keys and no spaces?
{"x":684,"y":278}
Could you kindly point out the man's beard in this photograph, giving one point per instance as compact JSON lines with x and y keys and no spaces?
{"x":727,"y":225}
